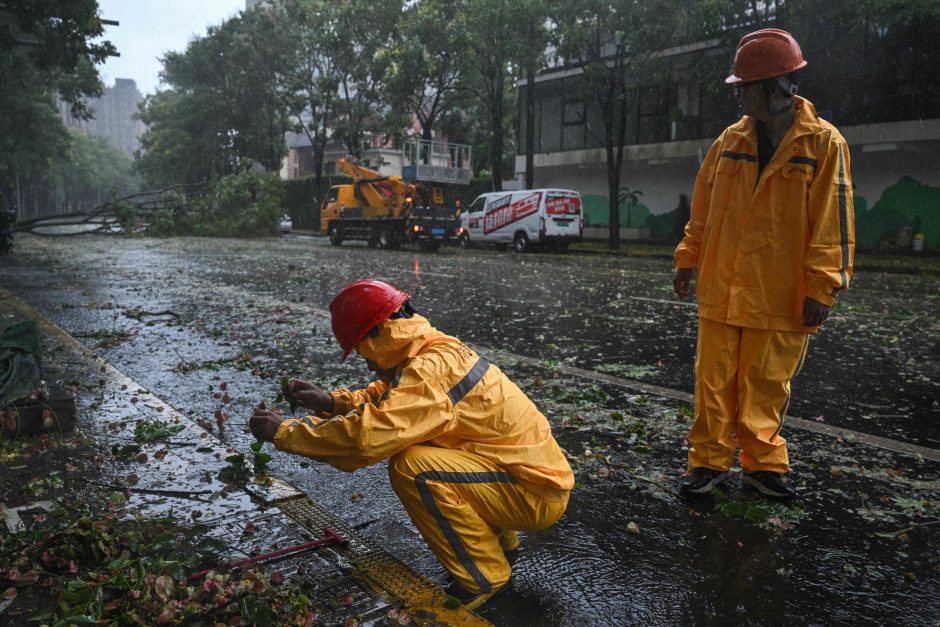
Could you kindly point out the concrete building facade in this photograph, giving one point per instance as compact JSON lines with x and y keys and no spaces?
{"x":892,"y":131}
{"x":113,"y":116}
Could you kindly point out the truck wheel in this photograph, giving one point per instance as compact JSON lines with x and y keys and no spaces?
{"x":429,"y":244}
{"x":336,"y":234}
{"x":388,"y":240}
{"x":521,"y":243}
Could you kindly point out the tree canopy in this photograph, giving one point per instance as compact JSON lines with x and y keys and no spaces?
{"x":48,"y":49}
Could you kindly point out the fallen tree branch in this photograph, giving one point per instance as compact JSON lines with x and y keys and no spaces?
{"x":139,"y":314}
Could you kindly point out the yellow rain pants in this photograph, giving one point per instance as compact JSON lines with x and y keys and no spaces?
{"x":468,"y":451}
{"x":459,"y":501}
{"x":742,"y":387}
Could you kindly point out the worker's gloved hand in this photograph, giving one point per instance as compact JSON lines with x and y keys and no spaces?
{"x":814,"y":312}
{"x":264,"y":423}
{"x":680,"y":282}
{"x":310,"y":396}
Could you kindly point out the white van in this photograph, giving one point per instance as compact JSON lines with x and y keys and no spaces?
{"x":547,"y":217}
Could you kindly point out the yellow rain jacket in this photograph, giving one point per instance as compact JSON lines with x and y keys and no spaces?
{"x":443,"y":395}
{"x":762,"y":245}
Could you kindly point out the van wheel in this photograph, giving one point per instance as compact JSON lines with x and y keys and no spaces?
{"x":521,"y":243}
{"x":464,"y":241}
{"x":336,"y":234}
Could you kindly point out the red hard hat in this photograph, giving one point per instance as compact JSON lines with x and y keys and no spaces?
{"x":361,"y":306}
{"x":765,"y":54}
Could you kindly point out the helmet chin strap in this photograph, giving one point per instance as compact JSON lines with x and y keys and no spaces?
{"x":782,"y":110}
{"x":788,"y":88}
{"x":787,"y":85}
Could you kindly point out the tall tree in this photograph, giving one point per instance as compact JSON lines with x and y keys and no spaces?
{"x":359,"y":35}
{"x":425,"y":63}
{"x":310,"y":87}
{"x":613,"y":42}
{"x":492,"y":44}
{"x":89,"y":174}
{"x":532,"y":58}
{"x":222,"y":106}
{"x":47,"y":49}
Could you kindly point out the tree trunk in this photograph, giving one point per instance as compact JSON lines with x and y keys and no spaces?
{"x":318,"y":151}
{"x":496,"y":149}
{"x":613,"y":201}
{"x":530,"y":128}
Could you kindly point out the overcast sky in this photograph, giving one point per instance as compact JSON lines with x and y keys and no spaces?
{"x":150,"y":28}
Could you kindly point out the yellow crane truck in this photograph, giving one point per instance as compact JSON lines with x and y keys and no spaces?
{"x":384,"y":211}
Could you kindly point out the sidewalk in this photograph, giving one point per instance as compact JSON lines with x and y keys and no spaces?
{"x":136,"y":468}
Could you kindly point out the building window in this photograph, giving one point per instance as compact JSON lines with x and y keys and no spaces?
{"x":549,"y":118}
{"x":572,"y":124}
{"x":653,"y":124}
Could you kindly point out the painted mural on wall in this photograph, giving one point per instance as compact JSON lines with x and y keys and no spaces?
{"x":907,"y":211}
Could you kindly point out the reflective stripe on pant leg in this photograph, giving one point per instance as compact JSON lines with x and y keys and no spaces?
{"x":456,"y":545}
{"x":470,"y":510}
{"x":786,"y":405}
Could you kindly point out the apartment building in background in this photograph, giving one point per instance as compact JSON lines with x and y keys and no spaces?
{"x":887,"y":108}
{"x":113,"y":116}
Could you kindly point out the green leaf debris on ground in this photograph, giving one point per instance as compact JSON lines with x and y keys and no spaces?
{"x":77,"y":567}
{"x":757,"y":509}
{"x":154,"y":430}
{"x":629,"y":371}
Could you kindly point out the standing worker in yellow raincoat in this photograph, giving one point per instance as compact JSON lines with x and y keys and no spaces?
{"x":470,"y":456}
{"x":772,"y":235}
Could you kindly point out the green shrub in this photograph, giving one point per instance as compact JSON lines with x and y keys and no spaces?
{"x":162,"y":224}
{"x":245,"y":204}
{"x":127,"y":216}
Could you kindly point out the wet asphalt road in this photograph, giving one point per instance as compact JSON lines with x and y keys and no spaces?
{"x":244,"y":312}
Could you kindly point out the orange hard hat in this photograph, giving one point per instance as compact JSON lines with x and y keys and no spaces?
{"x":766,"y":53}
{"x":359,"y":307}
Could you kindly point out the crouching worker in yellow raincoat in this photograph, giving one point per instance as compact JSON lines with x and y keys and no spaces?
{"x":773,"y":237}
{"x":470,"y":456}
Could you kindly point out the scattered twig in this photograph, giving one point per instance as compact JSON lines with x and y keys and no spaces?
{"x":139,"y":314}
{"x":175,"y":493}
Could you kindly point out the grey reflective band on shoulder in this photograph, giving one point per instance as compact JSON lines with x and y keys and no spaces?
{"x":804,"y":161}
{"x":739,"y":156}
{"x":395,"y":380}
{"x":470,"y":379}
{"x":460,"y":551}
